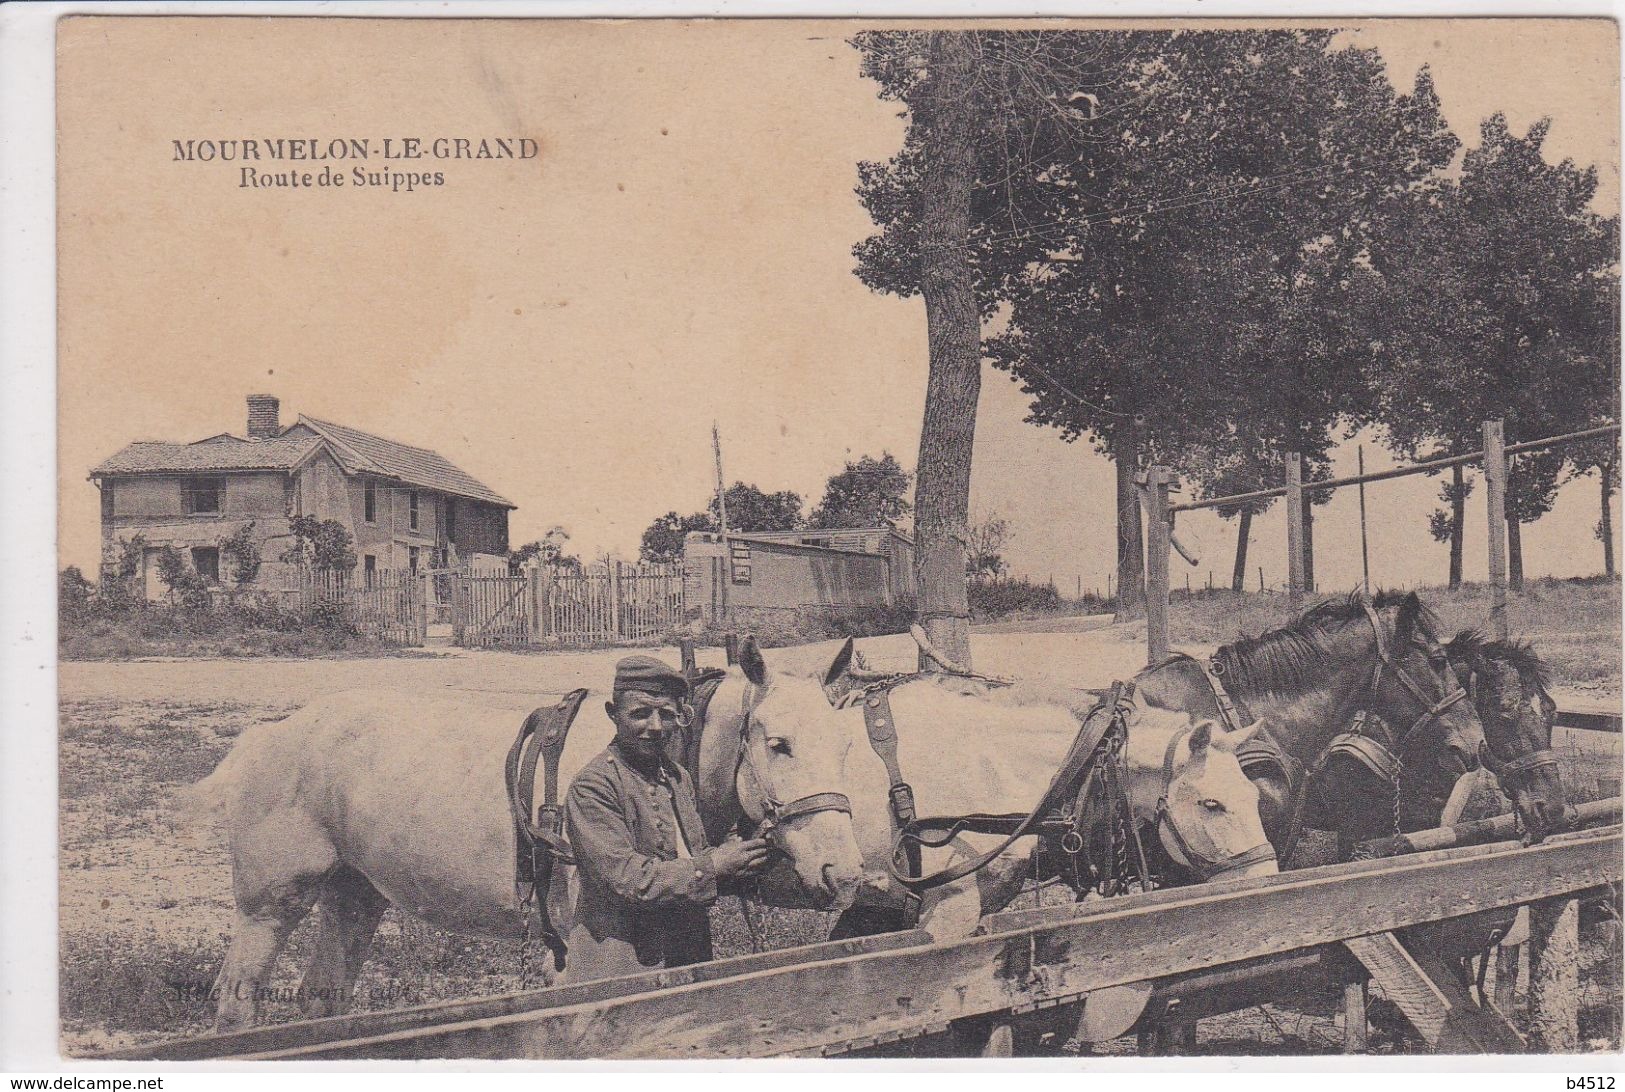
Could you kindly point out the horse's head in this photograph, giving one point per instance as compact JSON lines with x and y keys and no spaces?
{"x":1208,"y":815}
{"x":1435,"y":732}
{"x":791,"y":776}
{"x":1507,"y":684}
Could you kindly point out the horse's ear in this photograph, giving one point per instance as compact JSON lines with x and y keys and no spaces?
{"x":1201,"y":737}
{"x":838,"y":666}
{"x":1229,"y":741}
{"x":751,"y":662}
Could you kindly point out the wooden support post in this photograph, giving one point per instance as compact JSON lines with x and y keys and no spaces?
{"x":1156,"y":564}
{"x":1001,"y":1042}
{"x":1294,"y":526}
{"x":1354,"y":1020}
{"x":1495,"y":482}
{"x":1554,"y":975}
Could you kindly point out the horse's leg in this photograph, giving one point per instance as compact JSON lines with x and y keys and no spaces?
{"x":277,"y":873}
{"x":349,"y":907}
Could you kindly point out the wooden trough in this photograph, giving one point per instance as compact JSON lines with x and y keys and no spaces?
{"x":835,"y":998}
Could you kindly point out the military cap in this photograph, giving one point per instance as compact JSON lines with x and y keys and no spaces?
{"x":651,"y":676}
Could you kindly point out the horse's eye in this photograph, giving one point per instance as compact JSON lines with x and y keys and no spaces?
{"x":779,"y":746}
{"x":1212,"y":805}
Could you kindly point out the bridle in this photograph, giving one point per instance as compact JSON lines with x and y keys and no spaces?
{"x":774,"y":813}
{"x":1385,"y":758}
{"x":1516,"y":770}
{"x":1209,"y":868}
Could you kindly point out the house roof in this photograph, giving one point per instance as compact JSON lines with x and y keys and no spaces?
{"x":215,"y":453}
{"x":413,"y":465}
{"x":356,"y":451}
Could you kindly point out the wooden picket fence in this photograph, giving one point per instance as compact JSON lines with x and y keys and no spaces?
{"x":493,"y":610}
{"x":386,"y":605}
{"x":617,"y":602}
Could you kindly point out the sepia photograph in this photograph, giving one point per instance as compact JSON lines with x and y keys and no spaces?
{"x":716,"y":539}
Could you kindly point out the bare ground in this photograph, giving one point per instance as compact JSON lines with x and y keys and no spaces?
{"x":146,"y":904}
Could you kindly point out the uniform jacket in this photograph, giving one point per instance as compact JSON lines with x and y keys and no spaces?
{"x":639,"y":906}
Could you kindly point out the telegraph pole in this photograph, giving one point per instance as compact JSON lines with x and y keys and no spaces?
{"x":722,"y":494}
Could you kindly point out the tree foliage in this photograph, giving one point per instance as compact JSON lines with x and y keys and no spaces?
{"x":867,"y":493}
{"x":749,"y":509}
{"x":241,"y":550}
{"x":984,"y":553}
{"x":320,"y":545}
{"x":549,"y":550}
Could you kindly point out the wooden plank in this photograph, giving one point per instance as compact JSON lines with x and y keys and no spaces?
{"x":805,"y":1006}
{"x":281,"y":1037}
{"x":1588,"y":721}
{"x":1156,"y":564}
{"x":1433,"y":1001}
{"x":1554,"y":975}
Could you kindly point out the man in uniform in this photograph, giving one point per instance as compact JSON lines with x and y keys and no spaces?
{"x":645,"y":875}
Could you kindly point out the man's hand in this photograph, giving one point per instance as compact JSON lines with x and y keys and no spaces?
{"x":740,"y":858}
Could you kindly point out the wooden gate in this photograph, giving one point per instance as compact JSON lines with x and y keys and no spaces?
{"x":617,"y":602}
{"x":492,"y":610}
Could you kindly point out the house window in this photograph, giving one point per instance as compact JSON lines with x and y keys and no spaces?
{"x":107,"y":500}
{"x":412,"y":510}
{"x":369,"y":565}
{"x":200,"y":496}
{"x":206,"y":560}
{"x":451,"y":519}
{"x":290,"y":495}
{"x":412,"y":557}
{"x":369,"y":494}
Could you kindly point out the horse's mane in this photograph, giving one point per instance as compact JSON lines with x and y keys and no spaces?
{"x":1520,"y":655}
{"x":1293,"y":658}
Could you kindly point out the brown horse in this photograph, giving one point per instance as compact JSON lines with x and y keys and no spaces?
{"x":1510,"y":687}
{"x":1371,"y":663}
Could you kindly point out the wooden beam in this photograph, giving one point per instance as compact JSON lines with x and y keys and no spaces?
{"x":1554,"y":975}
{"x":804,"y":1007}
{"x":1434,"y":1002}
{"x":1156,"y":564}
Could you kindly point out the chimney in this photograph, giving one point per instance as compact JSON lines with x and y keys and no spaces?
{"x":264,"y":416}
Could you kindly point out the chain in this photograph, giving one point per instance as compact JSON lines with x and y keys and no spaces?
{"x":1399,"y":770}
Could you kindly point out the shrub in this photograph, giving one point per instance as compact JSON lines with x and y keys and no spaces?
{"x":186,"y":585}
{"x":994,"y":599}
{"x":240,"y":549}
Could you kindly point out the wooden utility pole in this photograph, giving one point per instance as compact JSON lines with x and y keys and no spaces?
{"x":1495,"y":482}
{"x":722,"y":492}
{"x":1156,"y":564}
{"x":1365,"y":549}
{"x":1294,"y":527}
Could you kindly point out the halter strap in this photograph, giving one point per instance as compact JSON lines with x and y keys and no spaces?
{"x":774,"y":813}
{"x":1208,"y":867}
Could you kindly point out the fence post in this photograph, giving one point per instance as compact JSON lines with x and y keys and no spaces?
{"x":1156,"y":564}
{"x":422,"y":584}
{"x":533,"y":576}
{"x":1495,"y":484}
{"x":1294,"y":526}
{"x":1554,"y":974}
{"x":615,"y":626}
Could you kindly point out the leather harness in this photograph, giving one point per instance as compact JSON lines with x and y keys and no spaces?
{"x":539,"y":838}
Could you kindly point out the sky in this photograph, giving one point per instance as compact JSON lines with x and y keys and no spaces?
{"x":567,"y":328}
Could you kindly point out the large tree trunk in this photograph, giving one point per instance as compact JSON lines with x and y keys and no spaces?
{"x":1606,"y":527}
{"x":1514,"y":554}
{"x":953,"y":326}
{"x":1244,"y":530}
{"x":1125,"y":445}
{"x":1458,"y":515}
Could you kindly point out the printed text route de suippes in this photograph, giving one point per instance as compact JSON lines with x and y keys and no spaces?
{"x":316,"y":150}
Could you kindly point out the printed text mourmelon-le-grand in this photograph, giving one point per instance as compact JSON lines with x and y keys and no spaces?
{"x":275,"y":156}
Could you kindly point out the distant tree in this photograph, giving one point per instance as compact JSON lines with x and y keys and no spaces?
{"x":549,"y":550}
{"x":1494,"y":295}
{"x":663,"y":539}
{"x":984,"y":552}
{"x":1601,"y":457}
{"x":749,"y":509}
{"x":73,"y":594}
{"x":868,"y":493}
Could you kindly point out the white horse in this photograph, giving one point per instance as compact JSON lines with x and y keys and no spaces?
{"x":967,"y":749}
{"x":364,"y":799}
